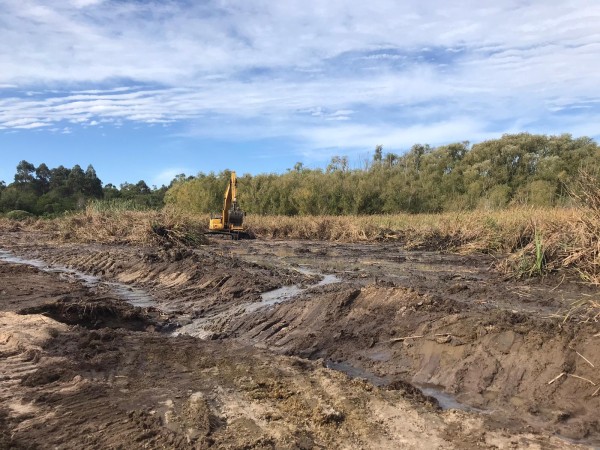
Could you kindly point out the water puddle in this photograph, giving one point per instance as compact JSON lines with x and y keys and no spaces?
{"x":355,"y":372}
{"x":445,"y":400}
{"x":133,"y":296}
{"x":276,"y":296}
{"x":286,"y":293}
{"x":201,"y":327}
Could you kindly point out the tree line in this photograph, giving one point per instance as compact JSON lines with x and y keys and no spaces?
{"x":517,"y":169}
{"x":44,"y":191}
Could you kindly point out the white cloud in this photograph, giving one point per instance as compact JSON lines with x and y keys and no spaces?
{"x":85,"y":3}
{"x":346,"y":72}
{"x":31,"y":125}
{"x":167,"y":175}
{"x":327,"y":139}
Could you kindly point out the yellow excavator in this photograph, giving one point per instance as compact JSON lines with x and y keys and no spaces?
{"x":230,"y":221}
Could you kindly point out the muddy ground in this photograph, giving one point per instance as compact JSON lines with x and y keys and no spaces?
{"x":287,"y":345}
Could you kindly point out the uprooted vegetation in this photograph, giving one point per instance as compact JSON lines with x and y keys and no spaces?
{"x":535,"y":241}
{"x":437,"y":321}
{"x":167,"y":226}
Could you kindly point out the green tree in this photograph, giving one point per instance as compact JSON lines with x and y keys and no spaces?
{"x":111,"y":192}
{"x":24,"y":175}
{"x":92,"y":184}
{"x":378,"y":155}
{"x":42,"y":179}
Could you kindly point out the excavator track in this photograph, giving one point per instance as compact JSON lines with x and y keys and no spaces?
{"x":234,"y":235}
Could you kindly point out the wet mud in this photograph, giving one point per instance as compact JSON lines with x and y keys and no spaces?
{"x":287,"y":344}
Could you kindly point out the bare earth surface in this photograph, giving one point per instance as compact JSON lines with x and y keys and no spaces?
{"x":287,"y":345}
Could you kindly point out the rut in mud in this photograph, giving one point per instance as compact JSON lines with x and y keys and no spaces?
{"x":72,"y":387}
{"x":445,"y":323}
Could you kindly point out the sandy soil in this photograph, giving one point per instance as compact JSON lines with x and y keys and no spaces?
{"x":365,"y":346}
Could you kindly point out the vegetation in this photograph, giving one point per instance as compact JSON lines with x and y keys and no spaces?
{"x":43,"y":191}
{"x":522,"y":196}
{"x":516,"y":170}
{"x":118,"y":225}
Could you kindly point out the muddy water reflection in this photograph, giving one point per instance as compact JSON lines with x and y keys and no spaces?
{"x":355,"y":372}
{"x":445,"y":400}
{"x":202,"y":327}
{"x":133,"y":296}
{"x":289,"y":292}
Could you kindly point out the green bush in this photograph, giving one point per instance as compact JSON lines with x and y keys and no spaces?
{"x":18,"y":214}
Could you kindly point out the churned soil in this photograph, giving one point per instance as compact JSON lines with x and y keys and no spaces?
{"x":353,"y":346}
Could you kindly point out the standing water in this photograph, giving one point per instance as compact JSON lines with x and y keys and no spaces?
{"x":201,"y":327}
{"x":133,"y":296}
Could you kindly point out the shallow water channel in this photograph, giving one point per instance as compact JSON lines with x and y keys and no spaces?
{"x":201,"y":327}
{"x":133,"y":296}
{"x":445,"y":400}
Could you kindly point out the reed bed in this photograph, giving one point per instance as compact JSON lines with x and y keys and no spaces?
{"x":476,"y":231}
{"x":104,"y":225}
{"x":529,"y":241}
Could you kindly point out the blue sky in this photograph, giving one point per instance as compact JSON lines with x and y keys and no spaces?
{"x":150,"y":89}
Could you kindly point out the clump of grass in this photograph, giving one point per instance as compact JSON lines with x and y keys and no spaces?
{"x":18,"y":214}
{"x":11,"y":224}
{"x":570,"y":243}
{"x":133,"y":227}
{"x":177,"y":233}
{"x":586,"y":254}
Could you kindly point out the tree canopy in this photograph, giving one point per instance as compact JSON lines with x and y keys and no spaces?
{"x":43,"y":191}
{"x":517,"y":169}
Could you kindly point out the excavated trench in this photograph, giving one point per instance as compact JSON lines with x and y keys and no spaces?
{"x":132,"y":295}
{"x":447,"y":324}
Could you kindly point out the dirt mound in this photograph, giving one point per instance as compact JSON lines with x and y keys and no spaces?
{"x":101,"y":313}
{"x":22,"y":339}
{"x":489,"y":359}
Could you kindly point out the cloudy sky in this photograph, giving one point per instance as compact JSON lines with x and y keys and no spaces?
{"x":148,"y":89}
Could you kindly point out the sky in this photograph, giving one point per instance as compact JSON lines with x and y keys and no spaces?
{"x":151,"y":89}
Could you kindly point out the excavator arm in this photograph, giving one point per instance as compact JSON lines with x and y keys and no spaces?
{"x":230,"y":194}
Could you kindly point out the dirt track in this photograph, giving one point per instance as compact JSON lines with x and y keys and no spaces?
{"x":209,"y":362}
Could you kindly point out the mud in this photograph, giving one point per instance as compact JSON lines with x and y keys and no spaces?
{"x":285,"y":344}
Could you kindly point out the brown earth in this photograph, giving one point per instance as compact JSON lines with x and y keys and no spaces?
{"x":332,"y":365}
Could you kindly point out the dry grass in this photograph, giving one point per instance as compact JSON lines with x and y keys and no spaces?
{"x":167,"y":226}
{"x":527,"y":241}
{"x":534,"y":241}
{"x":499,"y":231}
